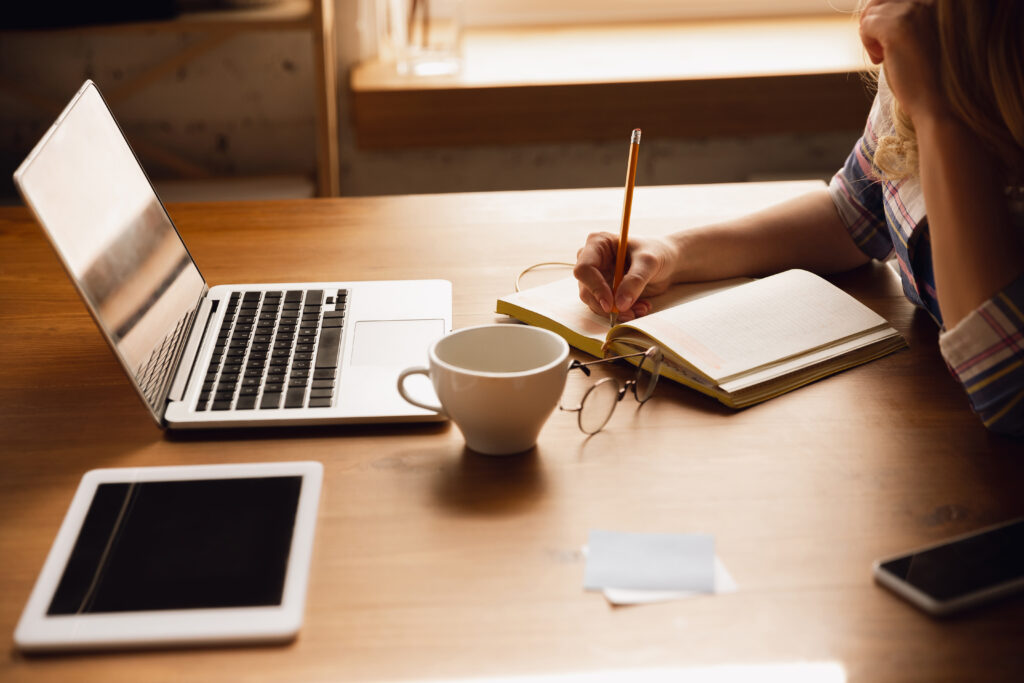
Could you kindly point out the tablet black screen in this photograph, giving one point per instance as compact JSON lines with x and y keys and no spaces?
{"x":171,"y":545}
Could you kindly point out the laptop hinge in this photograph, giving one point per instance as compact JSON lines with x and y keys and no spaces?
{"x":189,"y":356}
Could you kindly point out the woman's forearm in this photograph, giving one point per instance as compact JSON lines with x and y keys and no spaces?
{"x":805,"y":232}
{"x":975,"y":250}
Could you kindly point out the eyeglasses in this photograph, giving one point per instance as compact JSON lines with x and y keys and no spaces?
{"x":599,"y":402}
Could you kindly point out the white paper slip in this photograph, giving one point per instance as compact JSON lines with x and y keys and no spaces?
{"x":650,"y":561}
{"x":724,"y":583}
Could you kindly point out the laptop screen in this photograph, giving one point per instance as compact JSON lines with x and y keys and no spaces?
{"x":117,"y":242}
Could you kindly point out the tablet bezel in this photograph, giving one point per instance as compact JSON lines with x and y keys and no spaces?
{"x":38,"y":631}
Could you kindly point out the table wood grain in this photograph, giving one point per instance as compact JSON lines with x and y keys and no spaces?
{"x":434,"y":563}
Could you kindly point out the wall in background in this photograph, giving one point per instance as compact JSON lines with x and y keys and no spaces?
{"x":246,"y":108}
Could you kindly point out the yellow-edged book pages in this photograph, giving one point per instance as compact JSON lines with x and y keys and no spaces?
{"x":741,"y":341}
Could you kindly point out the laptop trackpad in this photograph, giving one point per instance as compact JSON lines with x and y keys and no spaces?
{"x":394,"y":343}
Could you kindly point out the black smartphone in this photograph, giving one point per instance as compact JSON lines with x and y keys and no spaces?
{"x":961,"y":572}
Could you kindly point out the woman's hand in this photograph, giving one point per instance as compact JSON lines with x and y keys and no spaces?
{"x":903,"y":36}
{"x":649,"y":267}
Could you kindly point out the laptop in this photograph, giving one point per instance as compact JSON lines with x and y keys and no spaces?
{"x":288,"y":353}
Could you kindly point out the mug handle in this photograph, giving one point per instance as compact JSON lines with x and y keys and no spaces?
{"x":401,"y":389}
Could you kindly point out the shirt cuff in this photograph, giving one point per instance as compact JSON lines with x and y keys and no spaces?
{"x":985,"y":352}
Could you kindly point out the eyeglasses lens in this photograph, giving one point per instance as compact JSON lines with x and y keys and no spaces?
{"x":647,"y":376}
{"x":598,"y":405}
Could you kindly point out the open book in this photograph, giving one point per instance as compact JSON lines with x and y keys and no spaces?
{"x":741,"y":341}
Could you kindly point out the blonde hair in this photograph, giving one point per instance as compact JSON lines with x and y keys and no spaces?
{"x":981,"y":60}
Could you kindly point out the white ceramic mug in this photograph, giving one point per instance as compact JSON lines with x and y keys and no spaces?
{"x":497,"y":383}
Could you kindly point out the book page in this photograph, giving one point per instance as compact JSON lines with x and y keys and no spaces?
{"x":764,"y":321}
{"x":560,"y":301}
{"x":804,"y":361}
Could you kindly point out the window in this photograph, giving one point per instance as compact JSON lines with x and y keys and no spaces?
{"x":522,"y":12}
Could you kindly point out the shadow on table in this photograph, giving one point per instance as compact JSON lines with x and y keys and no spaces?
{"x":308,"y":431}
{"x":491,"y":485}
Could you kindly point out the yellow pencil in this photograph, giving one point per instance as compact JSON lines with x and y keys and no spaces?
{"x":627,"y":206}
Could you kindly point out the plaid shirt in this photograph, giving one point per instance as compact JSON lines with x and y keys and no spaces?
{"x":985,"y":350}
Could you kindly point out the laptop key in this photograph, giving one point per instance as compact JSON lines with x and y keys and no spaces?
{"x":246,"y":403}
{"x":270,"y":400}
{"x":221,"y":405}
{"x":330,"y":344}
{"x":320,"y":403}
{"x":295,"y":397}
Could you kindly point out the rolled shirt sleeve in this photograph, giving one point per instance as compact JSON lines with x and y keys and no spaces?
{"x":985,"y":352}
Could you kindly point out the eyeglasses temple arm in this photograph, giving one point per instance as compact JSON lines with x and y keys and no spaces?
{"x":577,"y":365}
{"x":583,"y":365}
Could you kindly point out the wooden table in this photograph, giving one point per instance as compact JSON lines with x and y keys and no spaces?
{"x":435,"y":563}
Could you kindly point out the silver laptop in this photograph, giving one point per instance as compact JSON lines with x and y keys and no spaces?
{"x":229,"y":355}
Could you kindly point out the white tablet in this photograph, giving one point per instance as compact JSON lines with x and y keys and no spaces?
{"x":166,"y":556}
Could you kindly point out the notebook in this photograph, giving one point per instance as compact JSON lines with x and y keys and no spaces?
{"x":740,"y":341}
{"x":227,"y":355}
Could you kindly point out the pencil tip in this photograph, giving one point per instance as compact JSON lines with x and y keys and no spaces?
{"x":635,"y":138}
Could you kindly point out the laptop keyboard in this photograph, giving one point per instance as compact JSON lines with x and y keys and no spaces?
{"x":276,"y":350}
